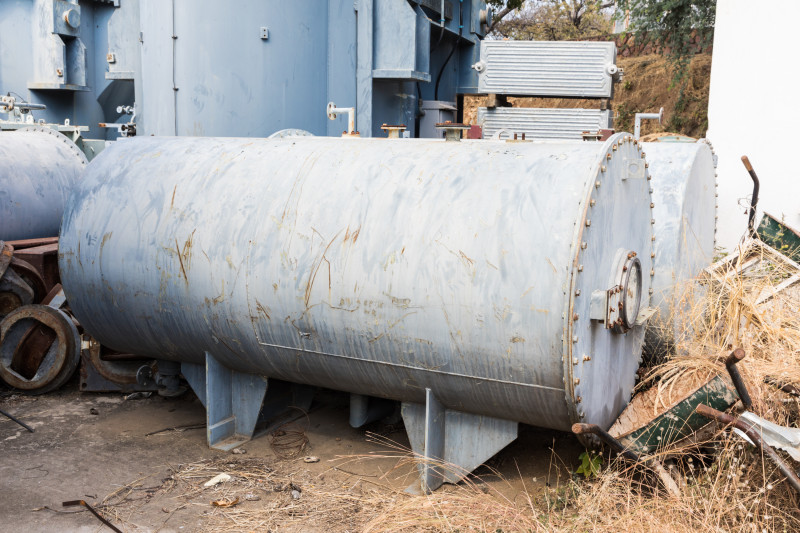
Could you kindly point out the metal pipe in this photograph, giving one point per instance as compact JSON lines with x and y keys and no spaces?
{"x":730,"y":363}
{"x":334,"y":111}
{"x":637,"y":127}
{"x":9,"y":103}
{"x":755,"y":437}
{"x":751,"y":220}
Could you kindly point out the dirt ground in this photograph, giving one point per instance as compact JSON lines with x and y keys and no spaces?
{"x":94,"y":447}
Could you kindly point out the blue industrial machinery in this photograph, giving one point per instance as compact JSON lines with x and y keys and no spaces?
{"x":245,"y":68}
{"x":481,"y":284}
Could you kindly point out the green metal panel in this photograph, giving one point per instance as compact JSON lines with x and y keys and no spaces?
{"x":779,"y":236}
{"x":681,"y":420}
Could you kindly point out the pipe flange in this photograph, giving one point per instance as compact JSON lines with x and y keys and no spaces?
{"x":39,"y":348}
{"x":290,"y":132}
{"x":629,"y":296}
{"x":60,"y":136}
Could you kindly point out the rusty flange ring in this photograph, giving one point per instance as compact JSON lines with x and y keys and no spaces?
{"x":40,"y":348}
{"x":14,"y":292}
{"x":6,"y":253}
{"x":31,"y":276}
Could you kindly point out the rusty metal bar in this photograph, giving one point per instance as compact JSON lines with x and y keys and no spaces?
{"x":788,"y":388}
{"x":603,"y":435}
{"x":751,"y":221}
{"x":730,"y":363}
{"x":73,"y":503}
{"x":755,"y":437}
{"x":22,"y":244}
{"x":651,"y":462}
{"x":20,"y":422}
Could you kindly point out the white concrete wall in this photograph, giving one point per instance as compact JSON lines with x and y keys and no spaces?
{"x":754,"y":110}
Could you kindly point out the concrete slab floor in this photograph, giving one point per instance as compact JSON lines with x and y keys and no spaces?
{"x":86,"y":446}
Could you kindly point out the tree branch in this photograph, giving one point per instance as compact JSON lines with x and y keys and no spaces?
{"x":498,"y":17}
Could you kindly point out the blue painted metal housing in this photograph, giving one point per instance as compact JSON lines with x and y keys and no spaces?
{"x":248,"y":68}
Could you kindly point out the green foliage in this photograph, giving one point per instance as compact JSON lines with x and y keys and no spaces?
{"x":590,"y":464}
{"x":625,"y":117}
{"x":500,"y":4}
{"x":557,"y":20}
{"x":672,"y":26}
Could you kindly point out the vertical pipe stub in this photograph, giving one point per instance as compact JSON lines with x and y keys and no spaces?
{"x":453,"y":131}
{"x":332,"y":111}
{"x":393,"y":131}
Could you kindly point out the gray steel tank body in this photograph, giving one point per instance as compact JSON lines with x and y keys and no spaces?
{"x":380,"y":267}
{"x":38,"y":169}
{"x":684,"y":196}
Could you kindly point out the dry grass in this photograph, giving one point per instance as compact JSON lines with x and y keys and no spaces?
{"x":738,"y":304}
{"x":725,"y":484}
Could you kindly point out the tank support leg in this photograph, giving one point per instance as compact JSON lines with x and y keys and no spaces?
{"x":232,"y":401}
{"x":450,"y":444}
{"x":366,"y":409}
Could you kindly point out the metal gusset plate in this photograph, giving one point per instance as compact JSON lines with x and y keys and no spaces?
{"x":39,"y":348}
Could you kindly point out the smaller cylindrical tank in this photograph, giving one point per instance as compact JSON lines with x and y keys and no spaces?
{"x":684,"y":198}
{"x":38,"y":168}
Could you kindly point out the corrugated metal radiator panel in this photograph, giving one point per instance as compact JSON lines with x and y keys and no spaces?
{"x":547,"y":68}
{"x":541,"y":123}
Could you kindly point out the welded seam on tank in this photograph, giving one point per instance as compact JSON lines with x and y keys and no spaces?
{"x":409,"y":367}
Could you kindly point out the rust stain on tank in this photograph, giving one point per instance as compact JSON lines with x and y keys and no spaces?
{"x":351,"y":236}
{"x":313,"y":275}
{"x":262,"y":309}
{"x":103,"y":242}
{"x":180,"y":260}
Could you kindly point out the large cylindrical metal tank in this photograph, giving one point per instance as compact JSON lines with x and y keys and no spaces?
{"x":684,"y":194}
{"x":38,"y":168}
{"x":380,"y":267}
